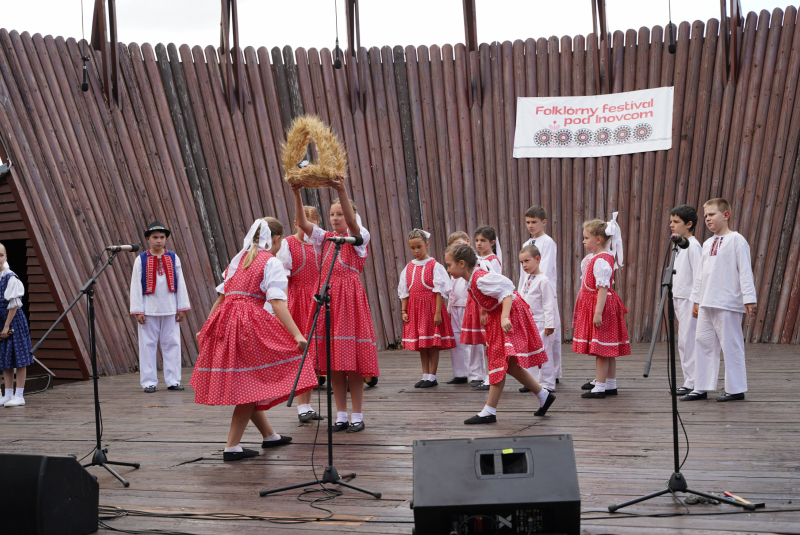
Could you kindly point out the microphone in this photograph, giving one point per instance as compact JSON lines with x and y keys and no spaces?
{"x":132,"y":248}
{"x":349,"y":240}
{"x":85,"y":84}
{"x":672,"y":47}
{"x":680,"y":241}
{"x":337,"y":64}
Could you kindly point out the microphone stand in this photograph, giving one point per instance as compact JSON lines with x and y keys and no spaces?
{"x":330,"y":475}
{"x":99,"y":458}
{"x":677,"y":482}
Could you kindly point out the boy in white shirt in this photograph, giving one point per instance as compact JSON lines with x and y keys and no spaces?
{"x":467,"y":361}
{"x":682,"y":221}
{"x":723,"y":291}
{"x":159,"y":301}
{"x":541,"y":298}
{"x":535,"y":221}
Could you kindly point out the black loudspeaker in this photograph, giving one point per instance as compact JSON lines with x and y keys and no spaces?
{"x":47,"y":495}
{"x":496,"y":485}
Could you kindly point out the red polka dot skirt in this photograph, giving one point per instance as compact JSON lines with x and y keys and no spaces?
{"x":420,"y":332}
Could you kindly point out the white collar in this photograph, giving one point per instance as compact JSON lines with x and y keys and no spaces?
{"x":421,"y":262}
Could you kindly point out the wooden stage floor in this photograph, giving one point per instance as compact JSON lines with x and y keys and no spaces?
{"x":623,"y":447}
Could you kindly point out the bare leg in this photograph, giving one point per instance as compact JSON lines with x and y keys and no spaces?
{"x":8,"y":378}
{"x":612,"y":368}
{"x":241,"y":415}
{"x":522,"y":375}
{"x":259,"y":418}
{"x":22,"y":374}
{"x":433,"y":358}
{"x":356,"y":391}
{"x":494,"y":393}
{"x":339,"y":383}
{"x":304,"y":398}
{"x":602,"y":369}
{"x":426,"y":363}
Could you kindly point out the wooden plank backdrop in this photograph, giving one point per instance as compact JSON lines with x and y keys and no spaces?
{"x":87,"y":174}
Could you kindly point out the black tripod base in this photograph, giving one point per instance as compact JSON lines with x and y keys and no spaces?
{"x":329,"y":476}
{"x":677,"y":483}
{"x":99,"y":459}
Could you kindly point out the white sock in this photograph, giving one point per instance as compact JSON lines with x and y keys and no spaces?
{"x":426,"y":377}
{"x":488,"y":411}
{"x":18,"y":392}
{"x":611,"y":384}
{"x":8,"y":395}
{"x":431,"y":377}
{"x":356,"y":417}
{"x":235,"y":449}
{"x":542,"y":395}
{"x":599,"y":387}
{"x":306,"y":407}
{"x":341,"y":417}
{"x":273,"y":436}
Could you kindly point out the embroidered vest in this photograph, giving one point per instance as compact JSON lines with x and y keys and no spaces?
{"x":150,"y":270}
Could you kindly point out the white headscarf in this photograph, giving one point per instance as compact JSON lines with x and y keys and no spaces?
{"x":264,"y":243}
{"x":613,"y":230}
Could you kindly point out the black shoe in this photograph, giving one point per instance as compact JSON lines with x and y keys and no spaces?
{"x":482,"y":386}
{"x":340,"y":426}
{"x":457,"y":381}
{"x":557,"y":381}
{"x":418,"y":384}
{"x":175,"y":387}
{"x":543,"y":409}
{"x":682,"y":391}
{"x":587,"y":386}
{"x":596,"y":395}
{"x":694,"y":397}
{"x":150,"y":389}
{"x":428,"y":384}
{"x":280,"y":442}
{"x":356,"y":427}
{"x":524,"y":389}
{"x":612,"y":392}
{"x":731,"y":397}
{"x":491,"y":419}
{"x":476,"y":382}
{"x":308,"y":416}
{"x":238,"y":455}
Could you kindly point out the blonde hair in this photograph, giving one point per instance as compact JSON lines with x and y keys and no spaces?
{"x":597,"y":228}
{"x":719,"y":202}
{"x":531,"y":249}
{"x":339,"y":201}
{"x":311,"y":213}
{"x":457,"y":235}
{"x":275,"y":229}
{"x":462,"y":251}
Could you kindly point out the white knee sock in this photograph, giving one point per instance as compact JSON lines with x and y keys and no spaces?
{"x":611,"y":384}
{"x":18,"y":392}
{"x":542,"y":395}
{"x":599,"y":387}
{"x":273,"y":436}
{"x":488,"y":411}
{"x":341,"y":417}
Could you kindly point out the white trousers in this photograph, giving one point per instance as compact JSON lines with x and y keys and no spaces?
{"x":687,"y":327}
{"x":466,"y":360}
{"x":717,"y":330}
{"x":167,"y":330}
{"x":556,"y":347}
{"x":546,"y":375}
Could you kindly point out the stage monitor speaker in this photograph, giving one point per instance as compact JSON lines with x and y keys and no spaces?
{"x":46,"y":495}
{"x":496,"y":485}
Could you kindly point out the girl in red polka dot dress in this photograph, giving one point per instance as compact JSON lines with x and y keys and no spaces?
{"x":426,"y":323}
{"x":353,"y":350}
{"x":513,"y":342}
{"x":599,"y":323}
{"x":250,"y":348}
{"x":301,"y":260}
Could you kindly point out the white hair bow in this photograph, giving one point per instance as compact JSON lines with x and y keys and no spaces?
{"x":613,"y":230}
{"x":264,"y":243}
{"x":424,"y":232}
{"x":499,"y":252}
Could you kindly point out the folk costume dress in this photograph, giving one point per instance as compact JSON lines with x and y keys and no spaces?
{"x":420,"y":281}
{"x":522,"y":342}
{"x":353,"y":346}
{"x":466,"y":360}
{"x":472,"y":332}
{"x":610,"y":339}
{"x":158,"y":291}
{"x":301,"y":262}
{"x":15,"y":351}
{"x":246,"y":354}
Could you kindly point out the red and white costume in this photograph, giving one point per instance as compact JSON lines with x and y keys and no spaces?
{"x":610,"y":339}
{"x":471,"y":330}
{"x":467,"y":360}
{"x":246,"y":354}
{"x":352,"y":334}
{"x":687,"y":267}
{"x":538,"y":293}
{"x":420,"y":281}
{"x":301,"y":262}
{"x":522,"y":342}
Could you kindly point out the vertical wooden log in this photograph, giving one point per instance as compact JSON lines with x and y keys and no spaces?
{"x":591,"y":182}
{"x":567,"y":195}
{"x":510,"y":240}
{"x":407,"y":130}
{"x":465,"y":134}
{"x":500,"y":141}
{"x":523,"y":193}
{"x":625,"y":201}
{"x":580,"y":193}
{"x":444,"y":111}
{"x":488,"y":137}
{"x":531,"y":90}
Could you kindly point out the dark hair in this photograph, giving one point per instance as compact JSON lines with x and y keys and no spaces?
{"x":687,"y":214}
{"x":462,"y":251}
{"x":417,"y":233}
{"x":531,"y":249}
{"x":489,"y":233}
{"x":536,"y":211}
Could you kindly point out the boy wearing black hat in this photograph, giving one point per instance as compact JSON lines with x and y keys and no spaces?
{"x":159,"y":301}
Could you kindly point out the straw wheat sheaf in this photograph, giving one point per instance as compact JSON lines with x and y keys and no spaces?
{"x":331,"y":159}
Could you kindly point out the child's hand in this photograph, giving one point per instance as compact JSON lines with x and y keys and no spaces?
{"x":4,"y":333}
{"x":141,"y":319}
{"x":598,"y":319}
{"x":405,"y":317}
{"x":296,"y":188}
{"x":697,"y":308}
{"x":180,"y":316}
{"x":197,"y":336}
{"x":483,"y":320}
{"x":301,"y":342}
{"x":505,"y":323}
{"x":437,"y":319}
{"x":548,"y":332}
{"x":751,"y":309}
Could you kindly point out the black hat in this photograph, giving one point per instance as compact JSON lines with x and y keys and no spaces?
{"x":156,"y":226}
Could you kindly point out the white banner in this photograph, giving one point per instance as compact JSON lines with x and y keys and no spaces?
{"x":602,"y":125}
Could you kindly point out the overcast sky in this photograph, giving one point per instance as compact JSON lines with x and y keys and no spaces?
{"x":310,"y":23}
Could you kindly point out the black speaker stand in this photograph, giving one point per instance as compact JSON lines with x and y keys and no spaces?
{"x":677,"y":482}
{"x":99,"y":453}
{"x":330,"y":475}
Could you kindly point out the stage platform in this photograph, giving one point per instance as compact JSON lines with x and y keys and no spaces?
{"x":623,"y":448}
